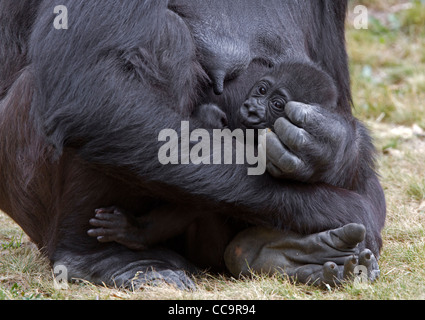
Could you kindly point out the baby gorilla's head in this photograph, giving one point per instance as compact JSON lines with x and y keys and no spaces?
{"x":290,"y":81}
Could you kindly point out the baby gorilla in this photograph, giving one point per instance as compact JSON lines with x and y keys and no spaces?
{"x":290,"y":81}
{"x":299,"y":81}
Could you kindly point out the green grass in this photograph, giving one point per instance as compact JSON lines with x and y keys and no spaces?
{"x":388,"y":63}
{"x":417,"y":189}
{"x":388,"y":81}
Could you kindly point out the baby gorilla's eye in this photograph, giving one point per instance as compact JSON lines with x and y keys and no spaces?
{"x":278,"y":104}
{"x":262,"y":90}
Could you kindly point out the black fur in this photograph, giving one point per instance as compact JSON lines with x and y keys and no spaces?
{"x":102,"y":91}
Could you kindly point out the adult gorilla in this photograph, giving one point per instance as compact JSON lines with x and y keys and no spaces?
{"x":82,"y":108}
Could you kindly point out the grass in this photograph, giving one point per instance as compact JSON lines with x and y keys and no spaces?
{"x":388,"y":63}
{"x":388,"y":80}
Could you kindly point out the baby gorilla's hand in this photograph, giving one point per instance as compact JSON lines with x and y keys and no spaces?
{"x":211,"y":116}
{"x":113,"y":225}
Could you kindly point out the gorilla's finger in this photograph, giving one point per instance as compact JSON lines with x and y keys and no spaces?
{"x":317,"y":121}
{"x":303,"y":115}
{"x":288,"y":163}
{"x":101,"y":223}
{"x":293,"y":137}
{"x":106,"y":216}
{"x":100,"y":232}
{"x":105,"y":210}
{"x":274,"y":147}
{"x":105,"y":239}
{"x":280,"y":156}
{"x":300,"y":114}
{"x":274,"y":171}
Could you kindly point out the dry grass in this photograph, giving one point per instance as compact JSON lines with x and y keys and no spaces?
{"x":388,"y":73}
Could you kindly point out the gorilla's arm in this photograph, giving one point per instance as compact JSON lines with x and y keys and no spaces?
{"x":313,"y":144}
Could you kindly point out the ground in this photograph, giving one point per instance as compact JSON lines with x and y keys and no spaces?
{"x":388,"y":81}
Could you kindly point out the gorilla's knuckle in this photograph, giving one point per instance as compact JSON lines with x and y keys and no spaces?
{"x":303,"y":139}
{"x":290,"y":164}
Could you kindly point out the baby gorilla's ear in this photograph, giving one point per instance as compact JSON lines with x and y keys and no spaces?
{"x":211,"y":116}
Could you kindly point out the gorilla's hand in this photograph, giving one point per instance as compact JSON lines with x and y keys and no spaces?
{"x":311,"y":144}
{"x":325,"y":258}
{"x":114,"y":225}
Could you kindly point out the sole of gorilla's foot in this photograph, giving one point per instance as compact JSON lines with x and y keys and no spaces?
{"x":327,"y":258}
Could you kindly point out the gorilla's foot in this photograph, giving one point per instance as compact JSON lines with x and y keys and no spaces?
{"x":326,"y":258}
{"x":138,"y":275}
{"x":116,"y":266}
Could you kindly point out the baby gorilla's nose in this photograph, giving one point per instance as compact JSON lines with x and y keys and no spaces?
{"x":251,"y":109}
{"x":252,"y":113}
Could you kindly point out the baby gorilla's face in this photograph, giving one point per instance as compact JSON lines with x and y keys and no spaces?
{"x":300,"y":81}
{"x":265,"y":104}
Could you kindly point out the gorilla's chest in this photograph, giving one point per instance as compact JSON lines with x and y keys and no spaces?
{"x":230,"y":35}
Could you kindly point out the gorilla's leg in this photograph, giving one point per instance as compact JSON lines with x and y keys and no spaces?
{"x":80,"y":190}
{"x":329,"y":257}
{"x":206,"y":232}
{"x":53,"y":200}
